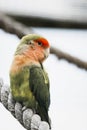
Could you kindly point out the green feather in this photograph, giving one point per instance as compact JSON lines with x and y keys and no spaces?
{"x":29,"y":37}
{"x":20,"y":87}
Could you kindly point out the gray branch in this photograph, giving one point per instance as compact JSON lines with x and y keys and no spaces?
{"x":14,"y":27}
{"x":29,"y":119}
{"x":71,"y":59}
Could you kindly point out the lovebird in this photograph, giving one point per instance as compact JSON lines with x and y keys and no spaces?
{"x":29,"y":81}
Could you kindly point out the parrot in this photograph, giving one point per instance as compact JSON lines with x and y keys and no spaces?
{"x":29,"y":82}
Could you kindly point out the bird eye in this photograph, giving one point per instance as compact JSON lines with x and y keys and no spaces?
{"x":39,"y":43}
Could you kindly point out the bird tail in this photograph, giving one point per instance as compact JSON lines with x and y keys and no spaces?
{"x":44,"y":114}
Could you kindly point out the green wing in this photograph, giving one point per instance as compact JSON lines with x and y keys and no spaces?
{"x":39,"y":84}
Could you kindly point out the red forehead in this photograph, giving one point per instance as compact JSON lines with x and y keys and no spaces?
{"x":44,"y":42}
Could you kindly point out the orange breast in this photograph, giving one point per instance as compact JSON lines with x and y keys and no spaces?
{"x":21,"y":61}
{"x":18,"y":62}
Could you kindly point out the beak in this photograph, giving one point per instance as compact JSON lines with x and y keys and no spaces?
{"x":47,"y":51}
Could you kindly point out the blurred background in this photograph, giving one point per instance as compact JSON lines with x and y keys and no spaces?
{"x":47,"y":12}
{"x":64,"y":24}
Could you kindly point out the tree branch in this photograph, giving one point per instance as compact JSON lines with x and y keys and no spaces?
{"x":62,"y":55}
{"x":14,"y":27}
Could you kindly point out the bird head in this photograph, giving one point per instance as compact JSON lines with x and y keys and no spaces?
{"x":34,"y":47}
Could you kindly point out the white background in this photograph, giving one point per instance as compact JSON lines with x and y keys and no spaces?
{"x":74,"y":10}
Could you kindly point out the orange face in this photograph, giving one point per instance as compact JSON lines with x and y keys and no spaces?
{"x":29,"y":52}
{"x":37,"y":50}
